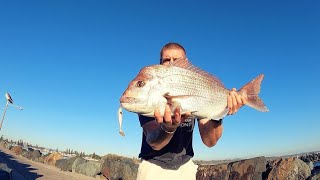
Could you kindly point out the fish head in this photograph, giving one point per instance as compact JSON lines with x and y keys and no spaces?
{"x":144,"y":93}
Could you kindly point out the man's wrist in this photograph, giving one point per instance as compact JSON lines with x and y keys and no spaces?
{"x":218,"y":122}
{"x":164,"y":128}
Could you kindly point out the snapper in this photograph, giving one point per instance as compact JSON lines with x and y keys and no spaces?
{"x":184,"y":85}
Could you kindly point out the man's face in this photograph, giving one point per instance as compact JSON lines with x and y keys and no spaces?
{"x":171,"y":55}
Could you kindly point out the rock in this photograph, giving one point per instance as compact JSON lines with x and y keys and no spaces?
{"x":248,"y":169}
{"x":314,"y":157}
{"x":61,"y":164}
{"x":314,"y":177}
{"x":52,"y":158}
{"x":90,"y":168}
{"x":5,"y":172}
{"x":35,"y":154}
{"x":4,"y":175}
{"x":24,"y":153}
{"x":117,"y":167}
{"x":244,"y":169}
{"x":17,"y":150}
{"x":310,"y":164}
{"x":105,"y":172}
{"x":290,"y":168}
{"x":219,"y":171}
{"x":77,"y":162}
{"x":315,"y":174}
{"x":66,"y":164}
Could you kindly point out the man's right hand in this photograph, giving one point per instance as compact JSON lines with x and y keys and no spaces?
{"x":168,"y":122}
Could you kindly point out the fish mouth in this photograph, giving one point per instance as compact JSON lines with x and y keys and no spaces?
{"x":128,"y":100}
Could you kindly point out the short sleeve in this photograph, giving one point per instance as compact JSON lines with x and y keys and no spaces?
{"x":143,"y":119}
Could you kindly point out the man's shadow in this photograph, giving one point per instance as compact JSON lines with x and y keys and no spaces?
{"x":18,"y":167}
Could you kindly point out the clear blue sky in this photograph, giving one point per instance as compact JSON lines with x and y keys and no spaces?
{"x":68,"y":62}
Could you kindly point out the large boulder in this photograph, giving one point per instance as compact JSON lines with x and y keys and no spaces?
{"x":290,"y":168}
{"x":220,"y":171}
{"x":90,"y":168}
{"x":35,"y":154}
{"x":66,"y":164}
{"x":105,"y":173}
{"x":25,"y":153}
{"x":52,"y":158}
{"x":61,"y":164}
{"x":77,"y":162}
{"x":310,"y":164}
{"x":245,"y":169}
{"x":118,"y":167}
{"x":248,"y":169}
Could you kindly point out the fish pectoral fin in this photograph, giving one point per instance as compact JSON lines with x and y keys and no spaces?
{"x":171,"y":100}
{"x":169,"y":97}
{"x":192,"y":112}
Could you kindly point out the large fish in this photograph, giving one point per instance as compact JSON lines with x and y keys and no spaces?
{"x":184,"y":85}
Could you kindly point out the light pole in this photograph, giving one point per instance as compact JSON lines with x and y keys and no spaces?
{"x":9,"y":101}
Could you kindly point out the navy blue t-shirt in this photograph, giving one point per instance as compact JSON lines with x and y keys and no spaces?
{"x":177,"y":152}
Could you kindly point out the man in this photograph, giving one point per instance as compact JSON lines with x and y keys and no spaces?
{"x":166,"y":149}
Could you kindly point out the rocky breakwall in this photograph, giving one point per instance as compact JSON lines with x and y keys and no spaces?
{"x":312,"y":157}
{"x":111,"y":166}
{"x":244,"y":169}
{"x":257,"y":169}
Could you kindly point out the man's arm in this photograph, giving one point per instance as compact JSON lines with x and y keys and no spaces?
{"x":160,"y":131}
{"x":155,"y":136}
{"x":211,"y":130}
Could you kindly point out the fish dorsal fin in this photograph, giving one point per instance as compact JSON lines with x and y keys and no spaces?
{"x":186,"y":64}
{"x":181,"y":62}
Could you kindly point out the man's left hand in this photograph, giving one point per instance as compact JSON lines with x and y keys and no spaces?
{"x":235,"y":101}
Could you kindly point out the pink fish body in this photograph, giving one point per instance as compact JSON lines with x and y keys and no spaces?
{"x":183,"y":85}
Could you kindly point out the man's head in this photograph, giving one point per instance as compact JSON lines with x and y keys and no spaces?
{"x":171,"y":52}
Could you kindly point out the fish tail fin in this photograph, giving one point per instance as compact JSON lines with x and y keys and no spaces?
{"x":251,"y":90}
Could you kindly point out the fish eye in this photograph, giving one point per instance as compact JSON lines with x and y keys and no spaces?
{"x":140,"y":84}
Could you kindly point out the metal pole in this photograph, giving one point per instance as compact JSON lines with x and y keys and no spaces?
{"x":18,"y":107}
{"x":4,"y":113}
